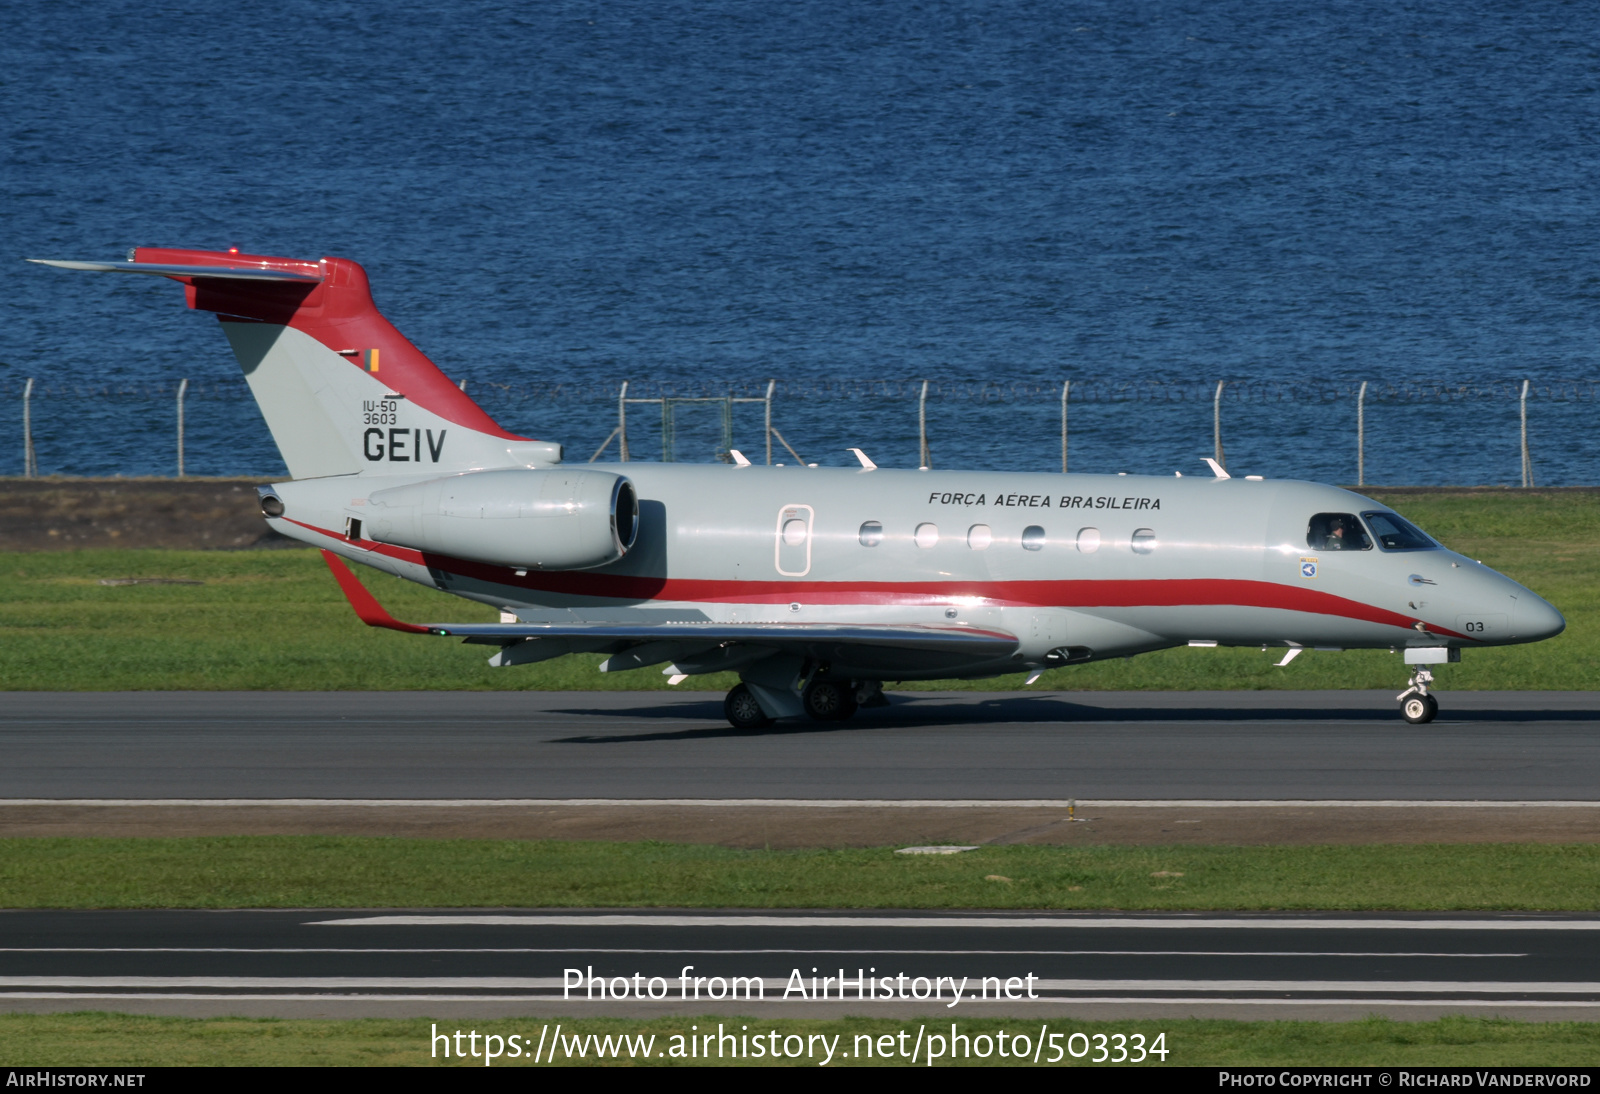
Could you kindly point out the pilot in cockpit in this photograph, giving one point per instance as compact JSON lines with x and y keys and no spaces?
{"x":1336,"y":532}
{"x":1335,"y":540}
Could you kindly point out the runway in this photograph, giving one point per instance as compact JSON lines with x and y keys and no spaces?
{"x":1247,"y":746}
{"x":501,"y":963}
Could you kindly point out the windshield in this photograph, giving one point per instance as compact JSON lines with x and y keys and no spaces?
{"x":1394,"y":533}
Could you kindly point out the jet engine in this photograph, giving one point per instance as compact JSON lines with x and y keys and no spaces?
{"x":526,"y":519}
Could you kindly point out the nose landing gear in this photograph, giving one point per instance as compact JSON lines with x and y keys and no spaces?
{"x":1418,"y":709}
{"x":1416,"y":705}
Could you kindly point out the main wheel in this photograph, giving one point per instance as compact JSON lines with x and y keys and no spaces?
{"x":743,"y":711}
{"x":828,"y":701}
{"x":1419,"y":709}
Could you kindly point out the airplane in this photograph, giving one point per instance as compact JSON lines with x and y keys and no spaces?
{"x":814,"y":584}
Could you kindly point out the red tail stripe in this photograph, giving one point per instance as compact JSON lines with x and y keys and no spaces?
{"x":339,"y":313}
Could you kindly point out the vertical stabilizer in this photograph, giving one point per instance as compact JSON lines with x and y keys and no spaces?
{"x":342,"y":390}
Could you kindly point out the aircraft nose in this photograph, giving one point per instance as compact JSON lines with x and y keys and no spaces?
{"x":1535,"y":618}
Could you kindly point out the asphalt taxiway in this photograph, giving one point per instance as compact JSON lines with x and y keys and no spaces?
{"x":507,"y":962}
{"x":1502,"y":746}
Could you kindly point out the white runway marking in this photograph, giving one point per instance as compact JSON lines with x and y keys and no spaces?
{"x":803,"y":803}
{"x":892,"y":952}
{"x":962,"y":922}
{"x":1199,"y":1000}
{"x":548,"y":983}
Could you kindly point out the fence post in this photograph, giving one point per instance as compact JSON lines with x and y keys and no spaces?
{"x":622,"y":422}
{"x":1361,"y":435}
{"x":1066,"y":385}
{"x":1527,"y":461}
{"x":1216,"y":424}
{"x":771,"y":383}
{"x":183,"y":387}
{"x":30,"y":465}
{"x":923,"y":460}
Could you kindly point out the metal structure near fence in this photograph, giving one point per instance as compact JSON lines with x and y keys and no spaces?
{"x":671,"y":397}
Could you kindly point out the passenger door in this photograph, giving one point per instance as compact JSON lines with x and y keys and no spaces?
{"x":792,"y":554}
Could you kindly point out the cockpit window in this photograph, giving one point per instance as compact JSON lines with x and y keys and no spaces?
{"x":1395,"y":534}
{"x":1337,"y":532}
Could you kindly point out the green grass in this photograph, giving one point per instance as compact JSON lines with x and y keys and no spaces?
{"x":275,"y":620}
{"x":361,"y":872}
{"x":117,"y":1040}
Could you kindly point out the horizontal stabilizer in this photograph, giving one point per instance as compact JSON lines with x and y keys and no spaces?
{"x":236,"y":273}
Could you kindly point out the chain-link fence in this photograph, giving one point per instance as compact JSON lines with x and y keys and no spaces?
{"x":1419,"y":430}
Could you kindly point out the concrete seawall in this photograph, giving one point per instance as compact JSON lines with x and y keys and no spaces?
{"x":60,"y":513}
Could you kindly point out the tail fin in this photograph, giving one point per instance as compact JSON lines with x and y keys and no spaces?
{"x":341,"y":389}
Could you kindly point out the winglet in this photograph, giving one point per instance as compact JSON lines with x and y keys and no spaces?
{"x":366,"y":605}
{"x":1216,"y":468}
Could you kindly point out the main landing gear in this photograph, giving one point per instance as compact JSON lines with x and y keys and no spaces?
{"x":1416,"y":705}
{"x":823,"y":699}
{"x":743,"y":711}
{"x":829,"y":700}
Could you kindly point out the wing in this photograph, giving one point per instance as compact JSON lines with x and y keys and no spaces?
{"x":716,"y":645}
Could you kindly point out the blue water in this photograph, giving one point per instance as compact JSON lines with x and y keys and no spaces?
{"x":710,"y":194}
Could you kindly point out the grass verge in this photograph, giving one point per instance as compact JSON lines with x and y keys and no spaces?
{"x":117,"y":1040}
{"x":364,"y":872}
{"x":275,"y":620}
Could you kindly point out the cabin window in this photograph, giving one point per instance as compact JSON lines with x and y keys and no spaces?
{"x":1088,"y":540}
{"x":1144,"y":541}
{"x":979,"y":536}
{"x":1396,"y":534}
{"x":1032,"y":538}
{"x":1337,"y":532}
{"x":794,"y":532}
{"x":927,"y":535}
{"x":871,"y":533}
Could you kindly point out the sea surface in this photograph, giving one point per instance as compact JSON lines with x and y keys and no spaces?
{"x":848,"y":197}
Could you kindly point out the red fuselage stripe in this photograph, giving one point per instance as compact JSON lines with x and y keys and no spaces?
{"x":1172,"y":593}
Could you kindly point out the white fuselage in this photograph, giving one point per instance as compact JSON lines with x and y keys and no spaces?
{"x":1108,"y":565}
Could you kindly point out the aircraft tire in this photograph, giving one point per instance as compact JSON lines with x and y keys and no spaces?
{"x":743,"y":711}
{"x":1419,"y":709}
{"x":827,"y":701}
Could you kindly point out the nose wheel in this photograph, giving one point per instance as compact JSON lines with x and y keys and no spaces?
{"x":1419,"y":709}
{"x":1416,"y":705}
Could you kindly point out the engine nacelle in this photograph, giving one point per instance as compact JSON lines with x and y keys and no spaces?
{"x":526,"y":519}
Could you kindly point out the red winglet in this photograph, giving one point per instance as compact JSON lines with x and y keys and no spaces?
{"x":366,"y":605}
